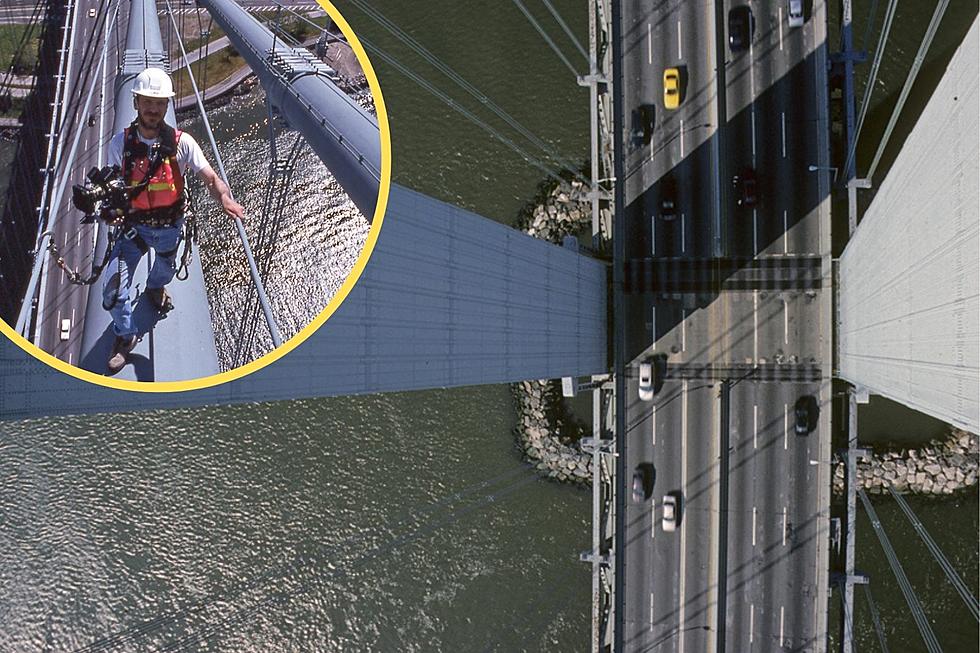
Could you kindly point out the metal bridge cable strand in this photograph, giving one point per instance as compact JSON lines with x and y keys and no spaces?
{"x":565,"y":28}
{"x":920,"y":56}
{"x":253,"y":269}
{"x":449,"y":72}
{"x":954,"y":578}
{"x":544,"y":35}
{"x":866,"y":100}
{"x":875,"y":619}
{"x":903,"y":582}
{"x":848,"y":633}
{"x":452,"y":104}
{"x":45,"y":236}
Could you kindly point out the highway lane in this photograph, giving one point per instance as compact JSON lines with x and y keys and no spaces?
{"x":59,"y":299}
{"x":771,"y":105}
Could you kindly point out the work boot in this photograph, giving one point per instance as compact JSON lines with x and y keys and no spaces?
{"x":120,"y":350}
{"x":161,"y":299}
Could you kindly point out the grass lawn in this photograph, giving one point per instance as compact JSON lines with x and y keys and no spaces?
{"x":11,"y":37}
{"x":211,"y":70}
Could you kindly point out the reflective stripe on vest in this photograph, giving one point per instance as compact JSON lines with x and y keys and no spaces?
{"x":166,"y":187}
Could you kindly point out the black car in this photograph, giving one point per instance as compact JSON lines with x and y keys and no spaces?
{"x":804,"y":415}
{"x":642,"y":123}
{"x":741,"y":25}
{"x":744,"y":185}
{"x":643,"y":479}
{"x":668,"y":199}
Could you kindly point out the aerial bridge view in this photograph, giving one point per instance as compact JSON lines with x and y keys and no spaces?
{"x":547,"y":325}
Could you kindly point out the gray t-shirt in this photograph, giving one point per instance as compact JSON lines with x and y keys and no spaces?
{"x":189,"y":153}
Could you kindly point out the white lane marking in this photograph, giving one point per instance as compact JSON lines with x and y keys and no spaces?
{"x":683,"y":234}
{"x":653,"y":418}
{"x":69,"y":358}
{"x":782,"y":119}
{"x":649,"y":45}
{"x":683,"y":567}
{"x":78,"y":240}
{"x":785,"y":322}
{"x":753,"y":134}
{"x":73,"y":316}
{"x":785,"y":426}
{"x":653,"y":326}
{"x":651,"y":608}
{"x":679,"y":55}
{"x":780,"y":28}
{"x":755,"y":232}
{"x":755,"y":327}
{"x":66,"y":239}
{"x":653,"y":235}
{"x":782,"y":615}
{"x":754,"y":512}
{"x":58,"y":322}
{"x":751,"y":621}
{"x":784,"y":525}
{"x":755,"y":426}
{"x":62,"y":276}
{"x":785,"y":232}
{"x":682,"y":138}
{"x":683,"y":329}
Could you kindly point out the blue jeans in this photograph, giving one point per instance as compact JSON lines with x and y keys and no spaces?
{"x":119,"y":272}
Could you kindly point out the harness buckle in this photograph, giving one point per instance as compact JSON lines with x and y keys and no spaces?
{"x":130,"y":233}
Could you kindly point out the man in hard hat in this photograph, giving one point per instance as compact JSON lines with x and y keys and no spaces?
{"x":153,"y":157}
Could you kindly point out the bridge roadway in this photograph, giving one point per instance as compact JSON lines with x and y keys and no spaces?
{"x":716,"y":321}
{"x":60,"y":299}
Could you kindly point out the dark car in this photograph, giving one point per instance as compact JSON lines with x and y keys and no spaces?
{"x":804,"y":415}
{"x":744,"y":185}
{"x":643,"y":123}
{"x":741,"y":25}
{"x":643,"y":479}
{"x":668,"y":199}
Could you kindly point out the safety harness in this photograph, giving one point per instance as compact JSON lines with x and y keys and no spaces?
{"x":134,"y":150}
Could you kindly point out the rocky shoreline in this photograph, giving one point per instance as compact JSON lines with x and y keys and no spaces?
{"x":548,"y":437}
{"x":944,"y":466}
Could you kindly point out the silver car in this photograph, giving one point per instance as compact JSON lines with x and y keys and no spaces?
{"x":795,"y":13}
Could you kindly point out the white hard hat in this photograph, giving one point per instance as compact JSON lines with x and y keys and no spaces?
{"x":153,"y":82}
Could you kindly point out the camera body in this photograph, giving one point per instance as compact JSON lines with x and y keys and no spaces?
{"x":106,"y":198}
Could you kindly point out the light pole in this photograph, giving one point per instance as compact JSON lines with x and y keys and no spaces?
{"x":813,"y":168}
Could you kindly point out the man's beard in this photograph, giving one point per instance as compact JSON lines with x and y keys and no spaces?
{"x":146,"y":125}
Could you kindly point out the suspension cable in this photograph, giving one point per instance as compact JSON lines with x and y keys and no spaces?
{"x":253,"y":269}
{"x":455,"y":77}
{"x":903,"y":582}
{"x":876,"y":619}
{"x":909,"y":80}
{"x":565,"y":28}
{"x":547,"y":39}
{"x":866,"y":101}
{"x":937,"y":553}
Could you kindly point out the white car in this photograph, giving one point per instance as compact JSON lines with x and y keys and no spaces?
{"x":91,"y":13}
{"x":670,"y":513}
{"x":795,"y":13}
{"x":646,"y":381}
{"x":65,"y":329}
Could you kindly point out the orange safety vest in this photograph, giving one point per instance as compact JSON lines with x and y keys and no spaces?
{"x":166,"y":187}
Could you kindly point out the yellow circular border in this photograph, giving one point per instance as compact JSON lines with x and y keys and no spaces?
{"x":307,"y":331}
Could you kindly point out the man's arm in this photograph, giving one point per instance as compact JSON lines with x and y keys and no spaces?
{"x":220,"y":192}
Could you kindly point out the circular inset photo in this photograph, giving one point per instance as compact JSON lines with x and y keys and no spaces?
{"x":196,"y":197}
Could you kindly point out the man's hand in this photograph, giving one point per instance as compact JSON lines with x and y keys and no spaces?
{"x":222,"y":194}
{"x":232,"y":208}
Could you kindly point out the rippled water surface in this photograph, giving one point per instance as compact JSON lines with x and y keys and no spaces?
{"x":342,"y":524}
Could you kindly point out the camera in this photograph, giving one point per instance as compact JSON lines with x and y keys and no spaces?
{"x":107,"y":195}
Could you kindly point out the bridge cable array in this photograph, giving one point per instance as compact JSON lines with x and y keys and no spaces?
{"x":547,"y":39}
{"x":937,"y":553}
{"x":400,"y":531}
{"x":239,"y":227}
{"x":921,"y":621}
{"x":876,"y":619}
{"x":555,"y":173}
